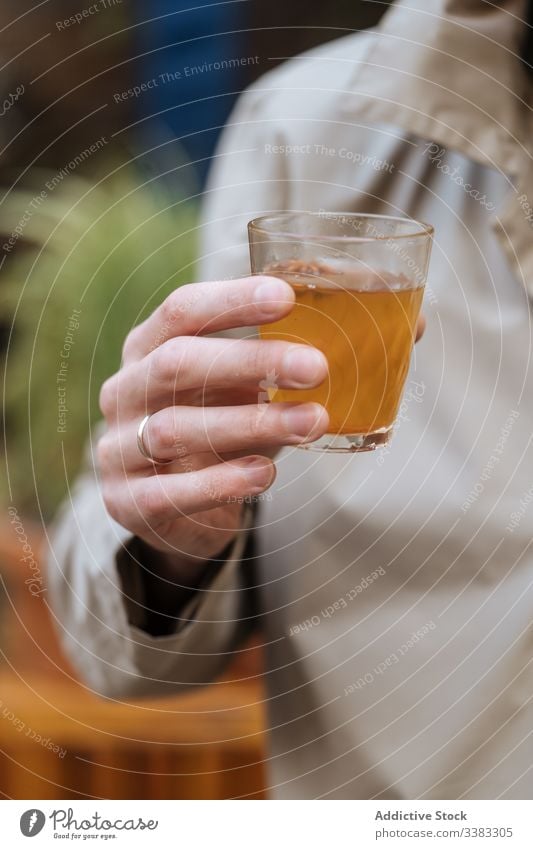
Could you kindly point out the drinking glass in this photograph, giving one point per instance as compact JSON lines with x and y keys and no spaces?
{"x":359,"y":282}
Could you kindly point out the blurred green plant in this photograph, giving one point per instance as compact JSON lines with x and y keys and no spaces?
{"x":93,"y":260}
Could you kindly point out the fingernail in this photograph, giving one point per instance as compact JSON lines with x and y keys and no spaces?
{"x":258,"y":470}
{"x":302,"y":419}
{"x":271,"y":295}
{"x":304,"y":366}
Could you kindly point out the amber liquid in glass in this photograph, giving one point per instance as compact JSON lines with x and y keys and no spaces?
{"x":365,"y":325}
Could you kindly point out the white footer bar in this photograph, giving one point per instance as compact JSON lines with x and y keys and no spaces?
{"x":268,"y":825}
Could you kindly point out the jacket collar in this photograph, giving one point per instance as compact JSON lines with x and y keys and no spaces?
{"x":450,"y":71}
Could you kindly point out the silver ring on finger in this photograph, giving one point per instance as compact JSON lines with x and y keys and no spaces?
{"x":141,"y":445}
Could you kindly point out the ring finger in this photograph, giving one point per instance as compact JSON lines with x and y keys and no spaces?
{"x":179,"y":432}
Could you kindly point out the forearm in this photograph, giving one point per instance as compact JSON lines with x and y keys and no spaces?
{"x":115,"y":655}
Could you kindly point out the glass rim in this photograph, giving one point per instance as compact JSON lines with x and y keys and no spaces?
{"x":422,"y":228}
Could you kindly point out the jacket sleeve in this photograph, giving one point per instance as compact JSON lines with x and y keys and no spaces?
{"x":92,"y":612}
{"x":89,"y":551}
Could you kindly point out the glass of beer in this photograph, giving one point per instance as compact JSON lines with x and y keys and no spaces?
{"x":358,"y":282}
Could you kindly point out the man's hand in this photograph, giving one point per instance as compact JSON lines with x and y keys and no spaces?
{"x":202,"y":395}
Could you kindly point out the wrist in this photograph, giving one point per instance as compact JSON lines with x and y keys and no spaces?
{"x":179,"y":568}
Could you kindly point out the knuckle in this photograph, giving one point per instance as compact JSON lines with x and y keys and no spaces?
{"x":173,"y":307}
{"x":256,"y":359}
{"x":111,"y":503}
{"x":103,"y":453}
{"x":107,"y":399}
{"x":130,"y":343}
{"x":234,"y":298}
{"x":256,"y":427}
{"x":216,"y":486}
{"x":172,"y":359}
{"x":161,"y":361}
{"x":149,"y":502}
{"x":119,"y":504}
{"x":161,"y":433}
{"x":184,"y":358}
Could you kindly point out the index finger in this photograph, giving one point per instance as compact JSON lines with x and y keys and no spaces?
{"x":197,"y":309}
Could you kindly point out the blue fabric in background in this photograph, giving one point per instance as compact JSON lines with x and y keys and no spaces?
{"x":184,"y":38}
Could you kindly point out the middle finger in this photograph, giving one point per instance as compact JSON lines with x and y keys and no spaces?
{"x":188,"y":363}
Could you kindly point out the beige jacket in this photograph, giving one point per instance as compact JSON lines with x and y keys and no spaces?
{"x":395,"y":587}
